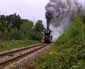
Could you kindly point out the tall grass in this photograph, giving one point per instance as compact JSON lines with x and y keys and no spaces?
{"x":68,"y":52}
{"x":11,"y":44}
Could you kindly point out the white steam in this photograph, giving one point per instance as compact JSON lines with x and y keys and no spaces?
{"x":63,"y":11}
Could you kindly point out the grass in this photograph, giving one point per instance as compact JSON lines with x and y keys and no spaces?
{"x":68,"y":52}
{"x":11,"y":44}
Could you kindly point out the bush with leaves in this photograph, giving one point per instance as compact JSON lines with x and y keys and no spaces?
{"x":68,"y":52}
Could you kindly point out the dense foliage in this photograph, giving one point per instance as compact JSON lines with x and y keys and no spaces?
{"x":69,"y":51}
{"x":8,"y":24}
{"x":38,"y":31}
{"x":13,"y":27}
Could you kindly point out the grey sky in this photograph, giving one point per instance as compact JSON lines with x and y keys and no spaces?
{"x":30,"y":9}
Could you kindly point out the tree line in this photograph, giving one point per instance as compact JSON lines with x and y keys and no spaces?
{"x":13,"y":27}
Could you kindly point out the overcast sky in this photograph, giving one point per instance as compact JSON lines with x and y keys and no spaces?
{"x":30,"y":9}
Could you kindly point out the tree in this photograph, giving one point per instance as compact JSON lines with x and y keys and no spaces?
{"x":37,"y":30}
{"x":83,"y":19}
{"x":14,"y":21}
{"x":39,"y":26}
{"x":8,"y":24}
{"x":2,"y":23}
{"x":26,"y":29}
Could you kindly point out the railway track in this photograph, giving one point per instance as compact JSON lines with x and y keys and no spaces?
{"x":8,"y":57}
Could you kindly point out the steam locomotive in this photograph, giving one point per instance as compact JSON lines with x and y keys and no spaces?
{"x":47,"y":32}
{"x":47,"y":37}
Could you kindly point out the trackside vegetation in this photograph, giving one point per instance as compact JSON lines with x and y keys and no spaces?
{"x":11,"y":44}
{"x":17,"y":32}
{"x":68,"y":52}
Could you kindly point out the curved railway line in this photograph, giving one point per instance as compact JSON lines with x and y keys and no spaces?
{"x":14,"y":55}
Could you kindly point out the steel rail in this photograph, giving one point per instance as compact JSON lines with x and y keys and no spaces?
{"x":19,"y":54}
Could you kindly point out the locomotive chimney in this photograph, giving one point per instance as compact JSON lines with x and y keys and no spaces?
{"x":48,"y":18}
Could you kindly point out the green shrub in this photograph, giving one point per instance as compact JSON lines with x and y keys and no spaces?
{"x":69,"y":51}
